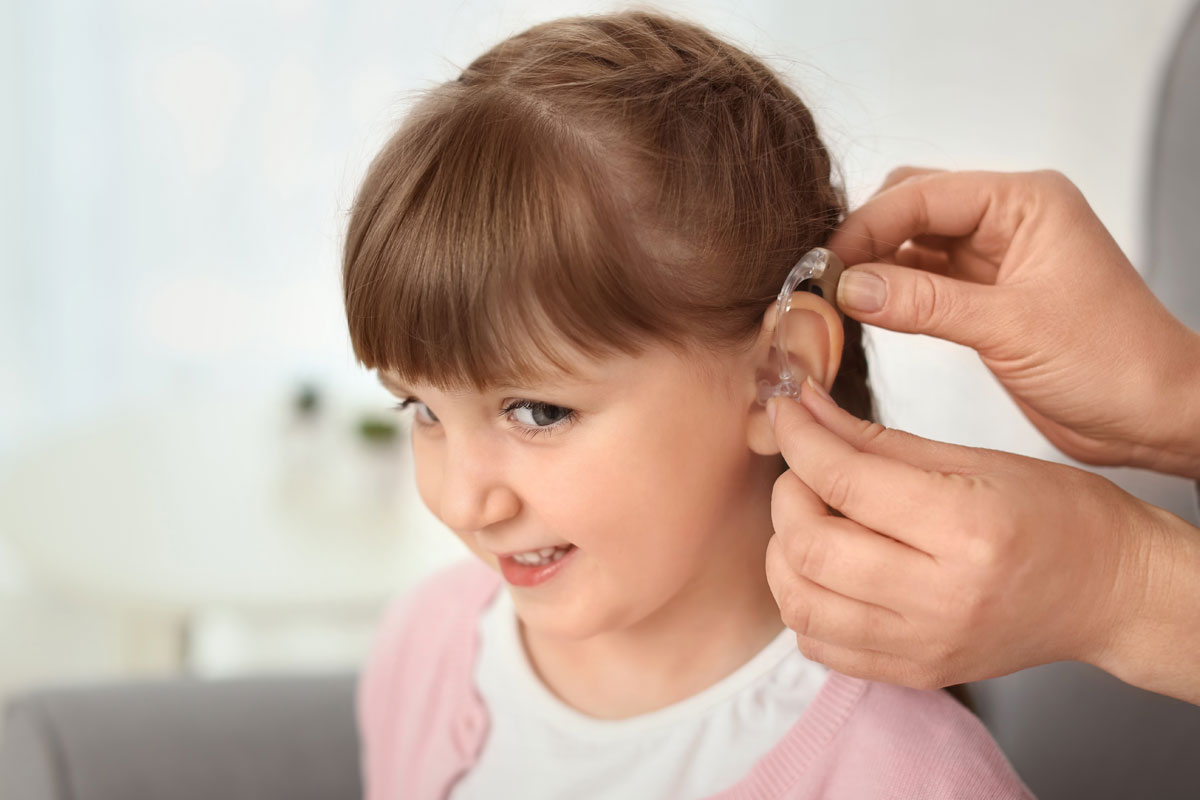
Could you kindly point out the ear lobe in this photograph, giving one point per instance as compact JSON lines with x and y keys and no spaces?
{"x":814,"y":339}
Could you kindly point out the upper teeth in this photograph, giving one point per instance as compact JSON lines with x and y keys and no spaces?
{"x":543,"y":556}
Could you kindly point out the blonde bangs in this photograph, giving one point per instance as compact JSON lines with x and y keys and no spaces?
{"x":486,"y":235}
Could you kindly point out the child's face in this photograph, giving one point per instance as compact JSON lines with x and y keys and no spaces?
{"x":646,"y":470}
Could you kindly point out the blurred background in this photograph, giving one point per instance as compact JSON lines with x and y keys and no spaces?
{"x":195,"y":476}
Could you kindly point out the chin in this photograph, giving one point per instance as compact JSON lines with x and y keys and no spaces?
{"x":551,"y":622}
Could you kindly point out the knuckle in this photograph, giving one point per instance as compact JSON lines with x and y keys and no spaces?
{"x":812,"y":649}
{"x":785,"y":503}
{"x":1057,"y":183}
{"x":901,"y":174}
{"x":1052,"y":177}
{"x":803,"y":620}
{"x":924,"y":671}
{"x":776,"y":567}
{"x":967,"y":613}
{"x":937,"y":655}
{"x":870,"y":433}
{"x":838,"y":490}
{"x":780,"y":487}
{"x":806,"y":555}
{"x":779,"y":498}
{"x":925,"y":303}
{"x":796,"y":613}
{"x":925,"y":679}
{"x":981,"y":550}
{"x":990,"y":545}
{"x":923,"y":217}
{"x":991,"y":529}
{"x":773,"y":546}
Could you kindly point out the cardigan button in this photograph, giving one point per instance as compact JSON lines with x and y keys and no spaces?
{"x":469,"y":732}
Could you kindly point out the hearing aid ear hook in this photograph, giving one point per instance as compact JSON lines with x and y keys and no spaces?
{"x":823,"y":269}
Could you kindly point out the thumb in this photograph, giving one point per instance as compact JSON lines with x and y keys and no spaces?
{"x":915,"y":301}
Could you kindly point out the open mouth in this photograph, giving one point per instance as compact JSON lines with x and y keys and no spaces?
{"x":536,"y":566}
{"x":547,"y":555}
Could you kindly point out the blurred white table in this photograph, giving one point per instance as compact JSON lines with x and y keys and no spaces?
{"x":165,"y":514}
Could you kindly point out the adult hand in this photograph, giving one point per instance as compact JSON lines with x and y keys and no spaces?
{"x":1018,"y":267}
{"x":954,"y":564}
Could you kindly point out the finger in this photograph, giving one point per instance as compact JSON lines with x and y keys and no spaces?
{"x":968,"y":261}
{"x":939,"y":203}
{"x":815,"y":612}
{"x":944,"y":255}
{"x":926,"y":259}
{"x":868,"y":664}
{"x":798,"y":503}
{"x":903,"y":173}
{"x":881,"y":493}
{"x":934,"y":242}
{"x":844,"y":557}
{"x":872,"y":437}
{"x":915,"y":301}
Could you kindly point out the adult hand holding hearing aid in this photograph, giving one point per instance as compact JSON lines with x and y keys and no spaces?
{"x":953,"y":563}
{"x":1018,"y":267}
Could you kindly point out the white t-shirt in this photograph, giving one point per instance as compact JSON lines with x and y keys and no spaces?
{"x":538,"y":747}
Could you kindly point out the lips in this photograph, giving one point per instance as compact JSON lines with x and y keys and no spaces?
{"x":535,"y":574}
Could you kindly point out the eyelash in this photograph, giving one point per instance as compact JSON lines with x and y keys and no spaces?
{"x":524,"y":430}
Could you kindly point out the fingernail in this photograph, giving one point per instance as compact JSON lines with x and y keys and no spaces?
{"x":771,"y":410}
{"x":818,"y":388}
{"x":861,"y":290}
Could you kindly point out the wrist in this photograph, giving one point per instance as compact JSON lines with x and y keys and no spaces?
{"x":1174,"y":446}
{"x":1154,"y":643}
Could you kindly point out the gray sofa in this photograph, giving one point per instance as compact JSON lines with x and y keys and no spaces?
{"x":1070,"y":730}
{"x":262,"y":738}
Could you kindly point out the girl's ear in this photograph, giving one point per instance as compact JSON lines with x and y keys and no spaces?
{"x":814,"y":343}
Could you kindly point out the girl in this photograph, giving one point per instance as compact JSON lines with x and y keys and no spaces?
{"x":564,"y":263}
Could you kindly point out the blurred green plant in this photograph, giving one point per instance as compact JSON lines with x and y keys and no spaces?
{"x":377,"y":430}
{"x":308,"y":399}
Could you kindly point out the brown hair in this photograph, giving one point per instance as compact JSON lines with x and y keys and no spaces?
{"x":614,"y":180}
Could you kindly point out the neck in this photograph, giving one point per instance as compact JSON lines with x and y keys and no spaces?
{"x":714,"y":625}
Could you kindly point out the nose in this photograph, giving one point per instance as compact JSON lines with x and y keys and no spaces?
{"x":476,"y":491}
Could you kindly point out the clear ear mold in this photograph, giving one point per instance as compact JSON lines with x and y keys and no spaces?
{"x":822,"y":268}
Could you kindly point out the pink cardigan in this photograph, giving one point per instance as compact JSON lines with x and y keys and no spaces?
{"x":423,"y":724}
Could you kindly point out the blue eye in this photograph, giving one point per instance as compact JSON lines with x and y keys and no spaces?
{"x":542,"y":418}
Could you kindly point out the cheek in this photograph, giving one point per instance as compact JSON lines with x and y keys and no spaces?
{"x":646,"y":498}
{"x":692,"y":479}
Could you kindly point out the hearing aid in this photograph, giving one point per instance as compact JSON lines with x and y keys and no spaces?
{"x":822,"y":269}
